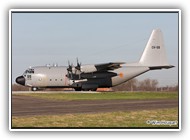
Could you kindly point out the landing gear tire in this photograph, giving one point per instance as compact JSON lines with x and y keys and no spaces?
{"x":34,"y":89}
{"x":78,"y":89}
{"x":94,"y":89}
{"x":85,"y":89}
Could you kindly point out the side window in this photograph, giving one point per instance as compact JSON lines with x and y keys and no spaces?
{"x":29,"y":77}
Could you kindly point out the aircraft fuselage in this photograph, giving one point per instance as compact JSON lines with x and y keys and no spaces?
{"x":57,"y":77}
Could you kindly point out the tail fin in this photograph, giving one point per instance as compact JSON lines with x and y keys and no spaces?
{"x":154,"y":54}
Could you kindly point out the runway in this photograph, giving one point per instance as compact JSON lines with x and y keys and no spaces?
{"x":47,"y":92}
{"x":29,"y":106}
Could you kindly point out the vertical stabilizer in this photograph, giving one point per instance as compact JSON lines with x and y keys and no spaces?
{"x":154,"y":54}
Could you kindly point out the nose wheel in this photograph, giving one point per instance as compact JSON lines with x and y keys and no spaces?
{"x":34,"y":89}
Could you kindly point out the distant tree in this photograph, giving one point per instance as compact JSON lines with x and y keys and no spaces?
{"x":169,"y":88}
{"x":148,"y":85}
{"x":176,"y":88}
{"x":154,"y":85}
{"x":134,"y":85}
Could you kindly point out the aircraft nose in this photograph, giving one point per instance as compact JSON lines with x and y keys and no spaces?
{"x":20,"y":80}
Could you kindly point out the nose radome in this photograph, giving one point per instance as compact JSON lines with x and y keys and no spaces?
{"x":20,"y":80}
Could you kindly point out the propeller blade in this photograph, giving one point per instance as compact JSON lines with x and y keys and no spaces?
{"x":69,"y":66}
{"x":77,"y":61}
{"x":78,"y":65}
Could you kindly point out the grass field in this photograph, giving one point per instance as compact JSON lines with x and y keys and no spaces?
{"x":105,"y":95}
{"x":113,"y":119}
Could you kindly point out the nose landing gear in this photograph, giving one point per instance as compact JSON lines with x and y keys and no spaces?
{"x":34,"y":89}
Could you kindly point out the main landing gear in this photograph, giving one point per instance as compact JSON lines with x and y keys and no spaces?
{"x":80,"y":89}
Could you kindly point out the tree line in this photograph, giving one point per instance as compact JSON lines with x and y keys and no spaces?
{"x":144,"y":85}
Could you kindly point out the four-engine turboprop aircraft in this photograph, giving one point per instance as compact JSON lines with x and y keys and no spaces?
{"x":91,"y":77}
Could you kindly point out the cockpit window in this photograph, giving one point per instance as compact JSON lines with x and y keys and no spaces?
{"x":29,"y":71}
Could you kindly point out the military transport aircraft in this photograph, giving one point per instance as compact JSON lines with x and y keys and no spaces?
{"x":91,"y":77}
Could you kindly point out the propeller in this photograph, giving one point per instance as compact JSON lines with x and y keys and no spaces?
{"x":74,"y":70}
{"x":69,"y":67}
{"x":78,"y":65}
{"x":70,"y":70}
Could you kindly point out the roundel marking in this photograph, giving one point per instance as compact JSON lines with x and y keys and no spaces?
{"x":121,"y":75}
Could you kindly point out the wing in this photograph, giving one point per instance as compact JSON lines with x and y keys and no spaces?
{"x":108,"y":66}
{"x":94,"y":68}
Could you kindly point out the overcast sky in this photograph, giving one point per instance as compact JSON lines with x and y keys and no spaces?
{"x":47,"y":38}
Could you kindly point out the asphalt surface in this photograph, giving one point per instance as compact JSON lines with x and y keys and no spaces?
{"x":29,"y":106}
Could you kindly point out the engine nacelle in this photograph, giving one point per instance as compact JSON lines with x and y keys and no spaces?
{"x":88,"y":68}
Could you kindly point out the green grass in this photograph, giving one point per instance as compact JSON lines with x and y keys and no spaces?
{"x":113,"y":119}
{"x":105,"y":95}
